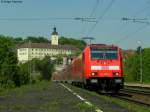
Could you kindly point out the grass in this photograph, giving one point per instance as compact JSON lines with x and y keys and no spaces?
{"x":20,"y":107}
{"x":20,"y":94}
{"x":42,"y":96}
{"x":128,"y":105}
{"x":25,"y":88}
{"x":84,"y":107}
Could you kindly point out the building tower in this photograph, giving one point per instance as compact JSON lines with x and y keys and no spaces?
{"x":54,"y":38}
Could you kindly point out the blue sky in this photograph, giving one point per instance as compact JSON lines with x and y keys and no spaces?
{"x":110,"y":29}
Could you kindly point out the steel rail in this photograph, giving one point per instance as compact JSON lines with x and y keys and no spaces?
{"x":131,"y":100}
{"x":142,"y":92}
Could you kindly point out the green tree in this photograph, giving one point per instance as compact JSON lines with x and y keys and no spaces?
{"x":23,"y":76}
{"x":17,"y":40}
{"x":8,"y":62}
{"x":36,"y":39}
{"x":146,"y":65}
{"x":46,"y":67}
{"x":70,"y":41}
{"x":132,"y":67}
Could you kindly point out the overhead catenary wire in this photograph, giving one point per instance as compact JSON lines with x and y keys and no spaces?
{"x":146,"y":5}
{"x":134,"y":15}
{"x":130,"y":34}
{"x":146,"y":15}
{"x":100,"y":17}
{"x":43,"y":19}
{"x":94,"y":8}
{"x":119,"y":30}
{"x":136,"y":31}
{"x":136,"y":20}
{"x":30,"y":19}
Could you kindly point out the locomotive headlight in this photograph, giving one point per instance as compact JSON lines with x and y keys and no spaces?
{"x":116,"y":74}
{"x":93,"y":74}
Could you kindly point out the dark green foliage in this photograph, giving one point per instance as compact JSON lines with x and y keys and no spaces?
{"x":36,"y":39}
{"x":23,"y":76}
{"x":11,"y":74}
{"x":45,"y":67}
{"x":34,"y":71}
{"x":70,"y":41}
{"x":18,"y":40}
{"x":146,"y":65}
{"x":132,"y":67}
{"x":8,"y":62}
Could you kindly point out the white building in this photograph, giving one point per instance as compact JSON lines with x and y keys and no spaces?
{"x":28,"y":51}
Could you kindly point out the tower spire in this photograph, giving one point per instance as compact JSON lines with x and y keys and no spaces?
{"x":54,"y":38}
{"x":54,"y":31}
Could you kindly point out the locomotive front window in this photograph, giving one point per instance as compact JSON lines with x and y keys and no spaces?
{"x":104,"y":54}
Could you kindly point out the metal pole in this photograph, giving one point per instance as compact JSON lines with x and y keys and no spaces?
{"x":88,"y":38}
{"x":29,"y":61}
{"x":141,"y":66}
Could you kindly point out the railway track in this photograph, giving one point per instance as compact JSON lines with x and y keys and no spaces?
{"x":134,"y":101}
{"x":142,"y":92}
{"x":138,"y":88}
{"x":139,"y":96}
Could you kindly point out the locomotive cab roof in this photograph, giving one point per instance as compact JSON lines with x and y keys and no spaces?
{"x":102,"y":46}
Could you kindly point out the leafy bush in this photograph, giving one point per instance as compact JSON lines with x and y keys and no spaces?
{"x":23,"y":76}
{"x":8,"y":62}
{"x":132,"y":67}
{"x":46,"y":67}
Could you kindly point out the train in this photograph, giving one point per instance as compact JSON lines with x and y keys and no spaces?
{"x":99,"y":67}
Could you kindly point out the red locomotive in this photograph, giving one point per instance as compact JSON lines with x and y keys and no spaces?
{"x":98,"y":66}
